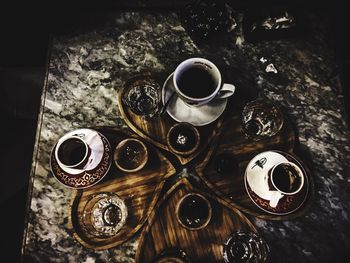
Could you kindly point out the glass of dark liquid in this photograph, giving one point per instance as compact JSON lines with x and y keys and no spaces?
{"x":104,"y":214}
{"x":143,"y":96}
{"x":261,"y":119}
{"x":194,"y":211}
{"x":245,"y":247}
{"x":131,"y":155}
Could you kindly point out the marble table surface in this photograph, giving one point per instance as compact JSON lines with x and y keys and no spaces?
{"x":85,"y":70}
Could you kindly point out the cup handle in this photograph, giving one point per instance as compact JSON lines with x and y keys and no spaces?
{"x":275,"y":197}
{"x":226,"y":91}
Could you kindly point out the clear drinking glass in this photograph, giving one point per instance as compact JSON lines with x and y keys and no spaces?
{"x":104,"y":214}
{"x":143,"y":96}
{"x":261,"y":119}
{"x":245,"y":247}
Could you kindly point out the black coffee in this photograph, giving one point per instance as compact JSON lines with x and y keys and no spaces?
{"x":238,"y":252}
{"x":193,"y":211}
{"x":72,"y":151}
{"x":253,"y":127}
{"x":286,"y":178}
{"x":112,"y":215}
{"x":196,"y":82}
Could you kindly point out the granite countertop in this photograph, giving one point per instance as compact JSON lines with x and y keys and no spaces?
{"x":86,"y":69}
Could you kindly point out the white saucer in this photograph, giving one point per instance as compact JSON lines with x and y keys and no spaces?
{"x":257,"y":176}
{"x":197,"y":116}
{"x":93,"y":139}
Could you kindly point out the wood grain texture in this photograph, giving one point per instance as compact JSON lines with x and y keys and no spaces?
{"x":139,"y":190}
{"x":165,"y":233}
{"x":233,"y":142}
{"x":155,"y":130}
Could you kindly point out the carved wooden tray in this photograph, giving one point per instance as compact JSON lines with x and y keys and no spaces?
{"x":139,"y":190}
{"x":155,"y":130}
{"x":164,"y":233}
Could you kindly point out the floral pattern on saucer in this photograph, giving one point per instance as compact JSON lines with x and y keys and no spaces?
{"x":87,"y":178}
{"x":287,"y":204}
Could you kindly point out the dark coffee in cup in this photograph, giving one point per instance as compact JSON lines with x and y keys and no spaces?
{"x":112,"y":215}
{"x":253,"y":128}
{"x":72,"y":151}
{"x":196,"y":82}
{"x":194,"y":211}
{"x":286,"y":178}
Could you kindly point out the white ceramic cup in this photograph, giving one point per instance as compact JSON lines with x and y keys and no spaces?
{"x":195,"y":82}
{"x":73,"y":152}
{"x":285,"y":183}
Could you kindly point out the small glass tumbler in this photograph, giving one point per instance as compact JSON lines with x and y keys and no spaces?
{"x":143,"y":96}
{"x":104,"y":214}
{"x":261,"y":119}
{"x":245,"y":247}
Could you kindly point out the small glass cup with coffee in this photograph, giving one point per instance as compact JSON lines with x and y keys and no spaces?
{"x":198,"y":81}
{"x":73,"y":152}
{"x":245,"y":247}
{"x":261,"y":119}
{"x":104,"y":214}
{"x":130,"y":155}
{"x":194,"y":211}
{"x":284,"y":178}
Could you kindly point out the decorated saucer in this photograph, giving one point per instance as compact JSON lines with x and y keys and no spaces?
{"x":89,"y":176}
{"x":181,"y":112}
{"x":256,"y":183}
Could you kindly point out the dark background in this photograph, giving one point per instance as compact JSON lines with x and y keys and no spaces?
{"x":25,"y":29}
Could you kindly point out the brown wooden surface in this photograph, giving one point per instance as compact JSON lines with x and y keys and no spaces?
{"x":139,"y":191}
{"x":164,"y":232}
{"x":232,"y":141}
{"x":155,"y":130}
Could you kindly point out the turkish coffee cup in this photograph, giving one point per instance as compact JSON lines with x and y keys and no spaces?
{"x":286,"y":178}
{"x":198,"y":81}
{"x":72,"y":152}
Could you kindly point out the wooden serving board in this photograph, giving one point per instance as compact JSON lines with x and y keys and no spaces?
{"x":164,"y":232}
{"x":232,"y":142}
{"x":155,"y":130}
{"x":139,"y":190}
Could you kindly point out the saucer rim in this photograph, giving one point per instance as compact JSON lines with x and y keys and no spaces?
{"x":84,"y":171}
{"x":225,"y":101}
{"x":307,"y":185}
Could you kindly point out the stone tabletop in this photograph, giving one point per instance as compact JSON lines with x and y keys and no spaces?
{"x":85,"y":70}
